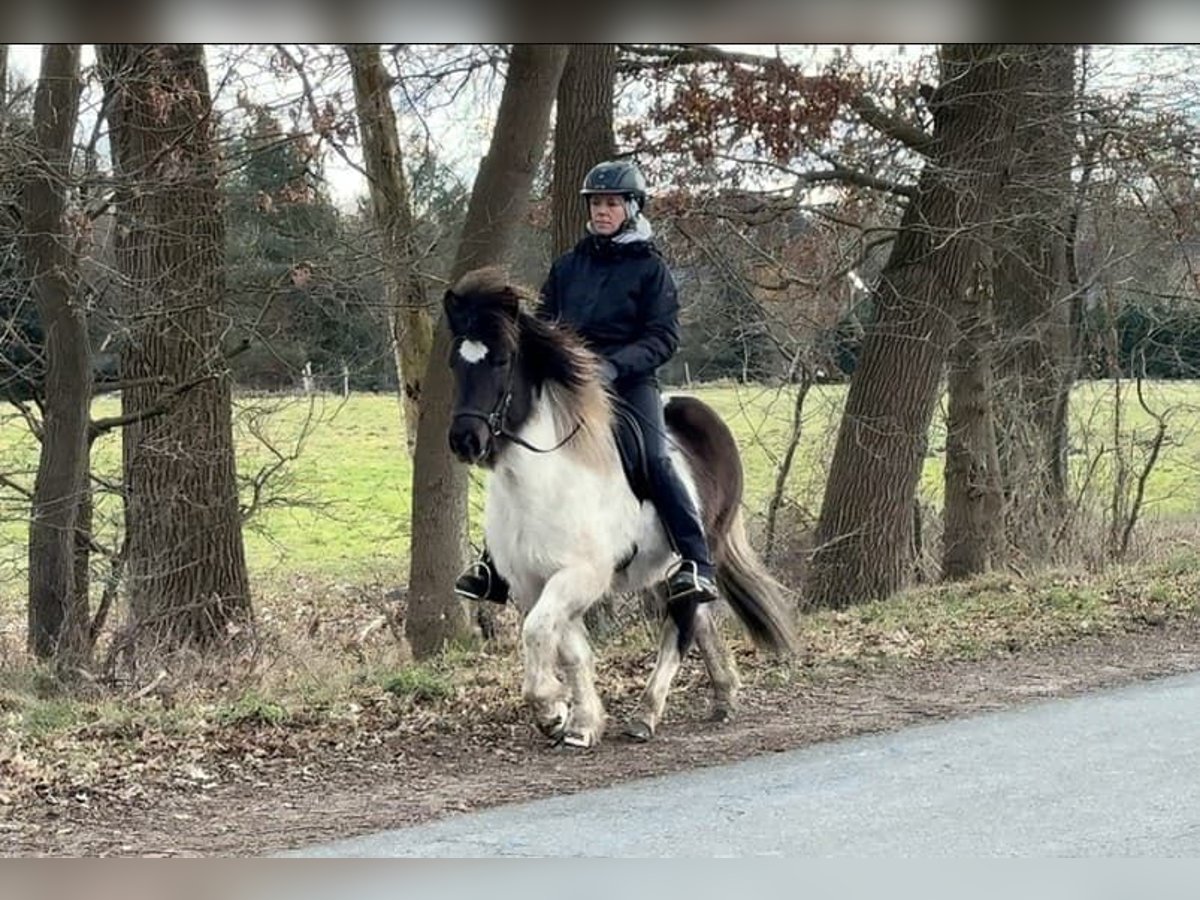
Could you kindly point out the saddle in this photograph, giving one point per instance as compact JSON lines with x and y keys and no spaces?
{"x":631,"y":444}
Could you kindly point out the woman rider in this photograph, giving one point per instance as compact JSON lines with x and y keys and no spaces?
{"x":615,"y":291}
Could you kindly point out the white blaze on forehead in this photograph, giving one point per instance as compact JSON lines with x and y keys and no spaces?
{"x":472,"y":351}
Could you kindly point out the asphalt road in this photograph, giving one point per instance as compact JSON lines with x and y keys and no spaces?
{"x":1115,"y":773}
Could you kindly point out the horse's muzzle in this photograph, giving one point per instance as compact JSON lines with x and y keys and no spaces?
{"x":469,"y":440}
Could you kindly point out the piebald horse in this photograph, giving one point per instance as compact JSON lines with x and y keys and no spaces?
{"x":562,"y":523}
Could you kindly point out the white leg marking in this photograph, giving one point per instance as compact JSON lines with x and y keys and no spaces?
{"x":547,"y":638}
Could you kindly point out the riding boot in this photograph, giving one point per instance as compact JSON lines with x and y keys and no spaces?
{"x":481,"y":581}
{"x":694,"y":574}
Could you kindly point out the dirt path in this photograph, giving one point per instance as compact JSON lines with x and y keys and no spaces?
{"x":321,"y":792}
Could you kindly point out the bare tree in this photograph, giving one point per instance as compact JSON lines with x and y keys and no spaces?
{"x":1034,"y":365}
{"x":583,"y":134}
{"x":864,"y":540}
{"x":58,"y":609}
{"x":409,"y":319}
{"x":187,"y":575}
{"x":1006,"y":429}
{"x":499,"y":198}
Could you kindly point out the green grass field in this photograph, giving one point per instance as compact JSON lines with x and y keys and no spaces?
{"x":341,"y":511}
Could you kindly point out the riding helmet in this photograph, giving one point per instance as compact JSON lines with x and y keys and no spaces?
{"x":617,"y":177}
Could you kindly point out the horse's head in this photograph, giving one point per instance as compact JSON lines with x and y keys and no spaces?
{"x":483,"y":311}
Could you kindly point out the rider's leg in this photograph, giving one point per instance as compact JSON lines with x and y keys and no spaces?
{"x":694,"y":575}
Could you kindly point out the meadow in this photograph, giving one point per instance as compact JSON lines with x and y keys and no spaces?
{"x":338,"y":507}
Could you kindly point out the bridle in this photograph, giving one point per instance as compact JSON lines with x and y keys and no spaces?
{"x":496,"y":419}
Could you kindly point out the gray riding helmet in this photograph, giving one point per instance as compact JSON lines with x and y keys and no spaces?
{"x":617,"y":177}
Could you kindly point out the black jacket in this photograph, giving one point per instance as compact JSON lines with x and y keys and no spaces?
{"x":621,"y":300}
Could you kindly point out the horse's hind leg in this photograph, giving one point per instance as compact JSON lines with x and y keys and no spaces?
{"x":722,"y":670}
{"x":585,"y":723}
{"x":654,"y":698}
{"x":717,"y":660}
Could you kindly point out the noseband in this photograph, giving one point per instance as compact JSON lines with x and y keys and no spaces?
{"x":496,"y":419}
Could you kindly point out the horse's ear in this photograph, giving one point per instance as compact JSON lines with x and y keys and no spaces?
{"x":450,"y":306}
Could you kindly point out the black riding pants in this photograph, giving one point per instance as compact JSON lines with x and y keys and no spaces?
{"x":643,"y":401}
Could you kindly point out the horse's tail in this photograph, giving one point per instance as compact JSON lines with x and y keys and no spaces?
{"x":758,"y":599}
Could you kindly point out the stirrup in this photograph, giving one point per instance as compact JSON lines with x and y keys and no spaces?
{"x":481,"y":582}
{"x":476,"y":581}
{"x":685,"y":581}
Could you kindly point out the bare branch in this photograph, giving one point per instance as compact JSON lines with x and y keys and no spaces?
{"x":916,"y":139}
{"x":163,"y":405}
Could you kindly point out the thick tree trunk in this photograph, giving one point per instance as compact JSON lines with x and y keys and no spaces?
{"x":583,"y":134}
{"x":1034,"y":367}
{"x":498,"y":201}
{"x":58,"y":612}
{"x":865,"y":532}
{"x":409,"y":318}
{"x":186,"y":568}
{"x":972,"y":525}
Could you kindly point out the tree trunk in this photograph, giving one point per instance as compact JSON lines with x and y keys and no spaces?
{"x":58,"y":613}
{"x":409,"y":319}
{"x":499,"y":200}
{"x":3,"y":89}
{"x":583,"y":135}
{"x":186,"y":568}
{"x":865,"y":532}
{"x":1034,"y":368}
{"x":972,"y":525}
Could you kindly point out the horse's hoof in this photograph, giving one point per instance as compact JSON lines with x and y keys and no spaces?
{"x":575,"y":740}
{"x":638,"y":731}
{"x":721,"y":713}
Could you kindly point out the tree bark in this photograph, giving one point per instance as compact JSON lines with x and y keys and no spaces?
{"x":3,"y":89}
{"x":499,"y":199}
{"x":409,"y":318}
{"x":58,"y":612}
{"x":1034,"y":366}
{"x":187,"y":575}
{"x":864,"y":546}
{"x":972,"y":525}
{"x":583,"y":135}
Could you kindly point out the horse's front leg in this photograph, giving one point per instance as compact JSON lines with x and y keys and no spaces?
{"x":552,"y":635}
{"x":585,"y":723}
